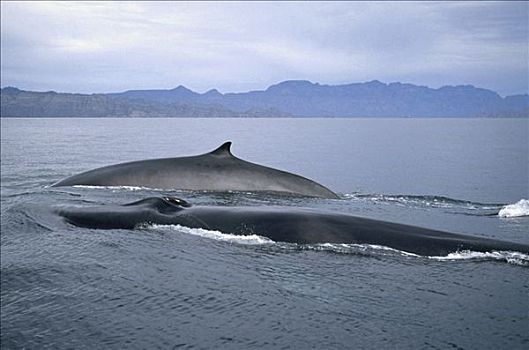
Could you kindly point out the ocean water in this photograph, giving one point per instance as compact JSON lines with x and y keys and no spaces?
{"x":173,"y":287}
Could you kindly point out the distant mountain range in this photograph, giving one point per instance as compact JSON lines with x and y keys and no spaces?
{"x":293,"y":98}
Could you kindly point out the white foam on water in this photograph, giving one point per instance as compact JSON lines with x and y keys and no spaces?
{"x":518,"y":209}
{"x":424,"y":201}
{"x":515,"y":258}
{"x":353,"y":247}
{"x":216,"y":235}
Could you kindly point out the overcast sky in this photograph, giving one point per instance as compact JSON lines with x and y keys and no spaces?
{"x":239,"y":46}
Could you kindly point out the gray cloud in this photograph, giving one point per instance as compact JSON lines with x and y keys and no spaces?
{"x":235,"y":46}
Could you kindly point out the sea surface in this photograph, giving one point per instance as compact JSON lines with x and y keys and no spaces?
{"x":162,"y":287}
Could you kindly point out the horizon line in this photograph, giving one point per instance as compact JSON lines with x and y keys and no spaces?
{"x":265,"y":89}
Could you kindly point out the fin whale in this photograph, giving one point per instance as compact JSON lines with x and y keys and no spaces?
{"x":218,"y":170}
{"x":282,"y":224}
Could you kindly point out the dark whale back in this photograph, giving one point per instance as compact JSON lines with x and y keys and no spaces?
{"x":284,"y":224}
{"x":218,"y":170}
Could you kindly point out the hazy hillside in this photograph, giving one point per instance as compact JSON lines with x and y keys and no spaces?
{"x":288,"y":98}
{"x":18,"y":103}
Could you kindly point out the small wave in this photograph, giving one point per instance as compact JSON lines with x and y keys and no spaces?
{"x":520,"y":208}
{"x":456,"y":206}
{"x":19,"y":194}
{"x":425,"y":200}
{"x":216,"y":235}
{"x":515,"y":258}
{"x":355,"y":248}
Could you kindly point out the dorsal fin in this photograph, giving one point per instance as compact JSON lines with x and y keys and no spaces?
{"x":223,"y":150}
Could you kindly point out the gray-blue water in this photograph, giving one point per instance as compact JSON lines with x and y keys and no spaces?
{"x":67,"y":287}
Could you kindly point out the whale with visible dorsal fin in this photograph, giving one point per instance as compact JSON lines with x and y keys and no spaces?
{"x":218,"y":170}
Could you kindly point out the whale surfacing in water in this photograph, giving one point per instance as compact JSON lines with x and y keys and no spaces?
{"x":283,"y":224}
{"x":218,"y":170}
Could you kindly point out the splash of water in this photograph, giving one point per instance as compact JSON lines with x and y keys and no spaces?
{"x":518,"y":209}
